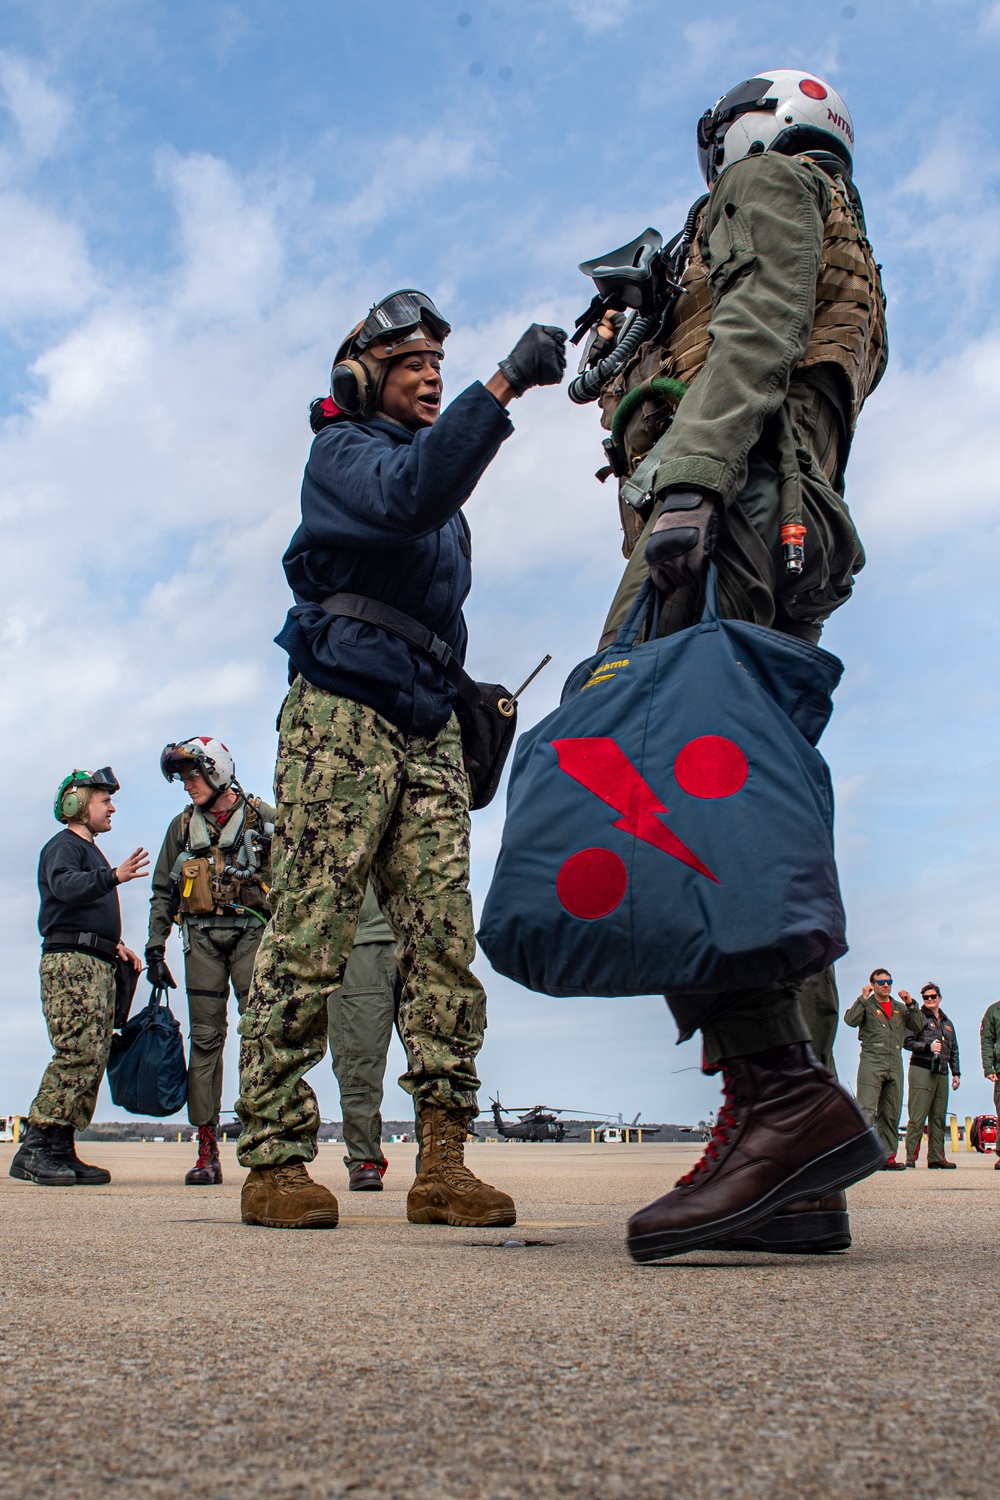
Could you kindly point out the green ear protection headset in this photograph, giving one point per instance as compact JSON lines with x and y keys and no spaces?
{"x":68,"y":800}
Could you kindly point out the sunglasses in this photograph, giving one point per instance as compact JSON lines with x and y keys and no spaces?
{"x":881,"y":981}
{"x":931,"y":995}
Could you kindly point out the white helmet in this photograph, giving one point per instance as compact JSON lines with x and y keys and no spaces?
{"x":784,"y":111}
{"x":200,"y":753}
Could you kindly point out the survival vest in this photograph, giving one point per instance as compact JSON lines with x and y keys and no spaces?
{"x":219,"y":869}
{"x":848,"y":329}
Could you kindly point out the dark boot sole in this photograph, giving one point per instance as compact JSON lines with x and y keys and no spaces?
{"x":316,"y":1218}
{"x":23,"y":1175}
{"x":840,"y":1168}
{"x":502,"y":1219}
{"x":190,"y":1181}
{"x":101,"y":1181}
{"x":819,"y":1232}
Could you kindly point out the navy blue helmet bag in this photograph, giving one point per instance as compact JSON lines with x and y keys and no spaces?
{"x":147,"y":1074}
{"x":670,"y":825}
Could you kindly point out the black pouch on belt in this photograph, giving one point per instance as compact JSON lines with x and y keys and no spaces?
{"x":487,"y":713}
{"x":126,"y":983}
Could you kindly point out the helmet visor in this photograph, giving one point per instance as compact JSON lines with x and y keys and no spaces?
{"x":739,"y":101}
{"x":398,"y":313}
{"x":176,"y":762}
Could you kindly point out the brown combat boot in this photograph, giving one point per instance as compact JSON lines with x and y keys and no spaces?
{"x":207,"y":1170}
{"x":814,"y":1226}
{"x":444,"y":1190}
{"x":286,"y":1197}
{"x":788,"y":1131}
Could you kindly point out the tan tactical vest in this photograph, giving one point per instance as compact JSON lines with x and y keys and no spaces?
{"x":848,"y":326}
{"x":204,"y":889}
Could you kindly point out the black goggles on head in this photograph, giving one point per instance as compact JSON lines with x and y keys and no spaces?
{"x":103,"y":780}
{"x":396,"y":314}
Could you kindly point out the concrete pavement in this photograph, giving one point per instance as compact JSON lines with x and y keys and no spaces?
{"x":153,"y":1345}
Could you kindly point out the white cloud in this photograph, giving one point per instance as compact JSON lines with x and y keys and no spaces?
{"x":927,"y":454}
{"x":44,"y":267}
{"x":599,"y":15}
{"x":40,"y":113}
{"x":232,"y":251}
{"x":406,"y":166}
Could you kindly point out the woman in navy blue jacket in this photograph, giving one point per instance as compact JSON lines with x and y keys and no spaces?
{"x":370,"y":779}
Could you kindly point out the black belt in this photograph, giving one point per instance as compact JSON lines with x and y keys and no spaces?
{"x":88,"y":940}
{"x":387,"y":617}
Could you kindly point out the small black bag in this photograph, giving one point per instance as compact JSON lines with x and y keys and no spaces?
{"x":487,"y":711}
{"x":147,"y":1073}
{"x":126,"y":984}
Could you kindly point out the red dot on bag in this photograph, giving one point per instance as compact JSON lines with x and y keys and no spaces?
{"x":592,"y":883}
{"x":710,"y":767}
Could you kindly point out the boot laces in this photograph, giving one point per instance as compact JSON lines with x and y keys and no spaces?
{"x":449,"y":1141}
{"x":206,"y":1140}
{"x":292,"y":1176}
{"x":720,"y":1132}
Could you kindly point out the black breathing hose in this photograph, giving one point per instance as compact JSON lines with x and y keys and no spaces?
{"x":587,"y":387}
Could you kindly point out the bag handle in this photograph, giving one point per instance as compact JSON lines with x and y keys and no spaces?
{"x":710,"y":613}
{"x":645,"y":607}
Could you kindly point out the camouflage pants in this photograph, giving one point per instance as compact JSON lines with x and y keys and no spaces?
{"x":357,"y":798}
{"x":78,"y":1002}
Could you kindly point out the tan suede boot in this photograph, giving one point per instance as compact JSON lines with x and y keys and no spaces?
{"x":445,"y":1191}
{"x":286,"y":1197}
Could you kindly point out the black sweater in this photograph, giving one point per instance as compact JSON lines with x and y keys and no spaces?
{"x":78,"y":890}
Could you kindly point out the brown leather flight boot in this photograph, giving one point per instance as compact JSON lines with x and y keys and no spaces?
{"x":207,"y":1170}
{"x":286,"y":1197}
{"x":787,"y":1131}
{"x":813,"y":1226}
{"x":444,"y":1190}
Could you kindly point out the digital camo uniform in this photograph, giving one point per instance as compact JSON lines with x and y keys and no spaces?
{"x":880,"y":1070}
{"x":779,"y":333}
{"x":361,"y":1016}
{"x":78,"y":1002}
{"x":221,"y":919}
{"x":358,"y":798}
{"x":84,"y":968}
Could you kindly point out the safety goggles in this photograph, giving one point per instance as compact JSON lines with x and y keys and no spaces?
{"x":103,"y":780}
{"x":398,"y":314}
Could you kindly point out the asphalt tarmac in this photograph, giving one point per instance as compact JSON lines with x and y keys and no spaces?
{"x":154,"y":1346}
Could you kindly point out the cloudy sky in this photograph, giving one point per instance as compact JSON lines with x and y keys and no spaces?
{"x":196,"y":202}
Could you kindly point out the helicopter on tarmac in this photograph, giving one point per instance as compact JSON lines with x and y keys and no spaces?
{"x":539,"y":1123}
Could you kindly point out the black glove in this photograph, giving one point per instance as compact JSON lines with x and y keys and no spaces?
{"x":683,"y":539}
{"x":159,"y":975}
{"x":538,"y":358}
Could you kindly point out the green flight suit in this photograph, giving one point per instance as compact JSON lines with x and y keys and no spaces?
{"x":927,"y":1097}
{"x":880,"y":1070}
{"x":361,"y":1014}
{"x":220,"y":949}
{"x":751,"y":428}
{"x":989,"y":1040}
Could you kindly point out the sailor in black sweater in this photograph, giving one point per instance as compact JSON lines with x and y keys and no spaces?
{"x":81,"y":926}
